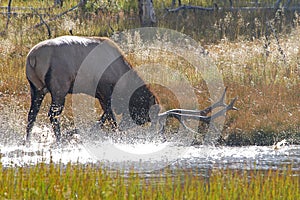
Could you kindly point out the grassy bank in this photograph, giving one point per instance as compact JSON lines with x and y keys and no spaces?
{"x":91,"y":182}
{"x":262,"y":71}
{"x":267,"y":86}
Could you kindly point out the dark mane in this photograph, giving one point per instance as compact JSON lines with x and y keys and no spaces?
{"x":140,"y":103}
{"x":141,"y":99}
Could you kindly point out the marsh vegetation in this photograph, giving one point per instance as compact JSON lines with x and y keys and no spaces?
{"x":257,"y":53}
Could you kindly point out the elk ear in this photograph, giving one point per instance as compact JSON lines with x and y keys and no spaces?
{"x":153,"y":112}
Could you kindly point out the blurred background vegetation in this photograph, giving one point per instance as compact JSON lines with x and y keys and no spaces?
{"x":232,"y":20}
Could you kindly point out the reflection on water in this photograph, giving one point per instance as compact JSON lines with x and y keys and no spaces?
{"x":192,"y":157}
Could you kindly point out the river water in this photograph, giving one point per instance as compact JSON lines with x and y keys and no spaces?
{"x":137,"y":155}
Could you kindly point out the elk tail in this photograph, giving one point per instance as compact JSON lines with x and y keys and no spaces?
{"x":31,"y":74}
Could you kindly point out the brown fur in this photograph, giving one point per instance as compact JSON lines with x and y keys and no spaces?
{"x":53,"y":66}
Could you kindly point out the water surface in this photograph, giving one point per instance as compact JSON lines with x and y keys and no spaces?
{"x":200,"y":157}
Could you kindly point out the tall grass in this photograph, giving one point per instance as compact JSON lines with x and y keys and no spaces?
{"x":267,"y":85}
{"x":262,"y":71}
{"x":263,"y":76}
{"x":55,"y":181}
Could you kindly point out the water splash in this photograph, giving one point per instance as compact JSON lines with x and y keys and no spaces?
{"x":247,"y":157}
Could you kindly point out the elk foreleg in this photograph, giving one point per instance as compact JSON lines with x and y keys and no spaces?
{"x":108,"y":114}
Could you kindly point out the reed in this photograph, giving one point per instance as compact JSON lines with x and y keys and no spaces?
{"x":90,"y":181}
{"x":262,"y":71}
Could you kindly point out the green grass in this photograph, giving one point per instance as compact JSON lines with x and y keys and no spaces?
{"x":78,"y":181}
{"x":267,"y":87}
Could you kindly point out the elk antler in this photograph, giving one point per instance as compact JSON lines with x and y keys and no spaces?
{"x":200,"y":115}
{"x":204,"y":112}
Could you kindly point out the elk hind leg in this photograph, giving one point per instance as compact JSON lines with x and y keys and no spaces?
{"x":56,"y":109}
{"x":37,"y":97}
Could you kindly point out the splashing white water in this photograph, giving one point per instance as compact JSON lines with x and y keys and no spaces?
{"x":137,"y":155}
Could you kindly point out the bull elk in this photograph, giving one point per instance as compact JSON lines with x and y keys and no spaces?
{"x":52,"y":66}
